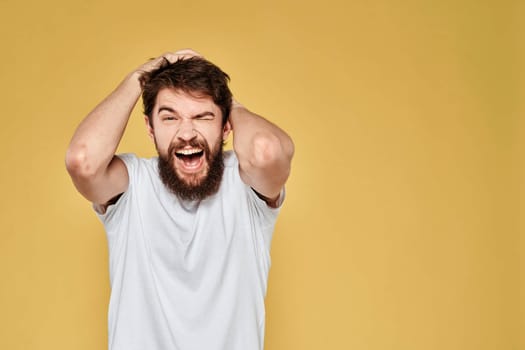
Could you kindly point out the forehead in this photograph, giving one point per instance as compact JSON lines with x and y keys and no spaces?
{"x":184,"y":103}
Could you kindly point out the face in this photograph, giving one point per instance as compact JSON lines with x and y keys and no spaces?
{"x":188,"y":134}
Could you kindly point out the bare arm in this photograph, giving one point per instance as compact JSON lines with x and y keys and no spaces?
{"x":90,"y":159}
{"x":264,"y":151}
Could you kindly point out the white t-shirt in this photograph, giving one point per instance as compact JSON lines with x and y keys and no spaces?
{"x":187,"y":275}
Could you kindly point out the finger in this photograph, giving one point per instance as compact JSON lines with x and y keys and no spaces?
{"x":181,"y":54}
{"x":188,"y":52}
{"x":153,"y":63}
{"x":172,"y":57}
{"x":169,"y":56}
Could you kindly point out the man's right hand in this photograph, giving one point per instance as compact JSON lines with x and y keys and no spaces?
{"x":171,"y":57}
{"x":90,"y":160}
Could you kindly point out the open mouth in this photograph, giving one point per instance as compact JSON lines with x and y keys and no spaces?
{"x":191,"y":158}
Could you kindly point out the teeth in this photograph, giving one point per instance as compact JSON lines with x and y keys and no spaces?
{"x":188,"y":152}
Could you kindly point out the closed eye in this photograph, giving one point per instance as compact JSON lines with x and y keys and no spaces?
{"x":205,"y":116}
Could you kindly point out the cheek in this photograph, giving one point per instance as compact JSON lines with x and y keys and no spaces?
{"x":161,"y":144}
{"x":164,"y":136}
{"x":213,"y":139}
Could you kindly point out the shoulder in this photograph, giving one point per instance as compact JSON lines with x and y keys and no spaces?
{"x":132,"y":160}
{"x":143,"y":173}
{"x":143,"y":178}
{"x":135,"y":165}
{"x":230,"y":160}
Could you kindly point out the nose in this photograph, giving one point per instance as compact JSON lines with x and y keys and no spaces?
{"x":186,"y":130}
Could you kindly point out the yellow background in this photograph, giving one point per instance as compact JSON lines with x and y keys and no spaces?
{"x":401,"y":225}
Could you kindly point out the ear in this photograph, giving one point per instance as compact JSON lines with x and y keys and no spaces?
{"x":227,"y":128}
{"x":149,"y":128}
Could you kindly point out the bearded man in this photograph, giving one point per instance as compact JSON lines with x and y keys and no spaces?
{"x":188,"y":231}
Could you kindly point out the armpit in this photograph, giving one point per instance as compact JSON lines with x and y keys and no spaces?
{"x":271,"y":202}
{"x":101,"y":208}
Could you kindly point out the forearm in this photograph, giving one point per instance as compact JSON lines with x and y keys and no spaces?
{"x":97,"y":137}
{"x":263,"y":149}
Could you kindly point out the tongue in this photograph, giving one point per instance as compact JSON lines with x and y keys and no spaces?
{"x":191,"y":161}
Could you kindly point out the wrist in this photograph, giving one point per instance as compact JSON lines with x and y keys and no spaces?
{"x":134,"y":76}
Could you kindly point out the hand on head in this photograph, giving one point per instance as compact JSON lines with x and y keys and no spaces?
{"x":170,"y":57}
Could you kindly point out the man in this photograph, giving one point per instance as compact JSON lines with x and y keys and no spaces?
{"x":188,"y":232}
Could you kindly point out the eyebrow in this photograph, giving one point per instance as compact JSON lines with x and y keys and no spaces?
{"x":171,"y":110}
{"x":166,"y":108}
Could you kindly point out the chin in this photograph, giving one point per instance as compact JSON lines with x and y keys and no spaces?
{"x":193,"y":180}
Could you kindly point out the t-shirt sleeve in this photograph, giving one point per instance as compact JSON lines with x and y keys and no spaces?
{"x":262,"y":216}
{"x":115,"y":213}
{"x":267,"y":214}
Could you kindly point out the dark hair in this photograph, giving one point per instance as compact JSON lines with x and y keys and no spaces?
{"x":195,"y":76}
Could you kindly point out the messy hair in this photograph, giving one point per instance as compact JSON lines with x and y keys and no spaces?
{"x":195,"y":76}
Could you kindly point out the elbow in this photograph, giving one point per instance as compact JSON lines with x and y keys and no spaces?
{"x":78,"y":164}
{"x":269,"y":150}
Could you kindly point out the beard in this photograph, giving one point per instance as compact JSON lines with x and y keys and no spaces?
{"x":195,"y":187}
